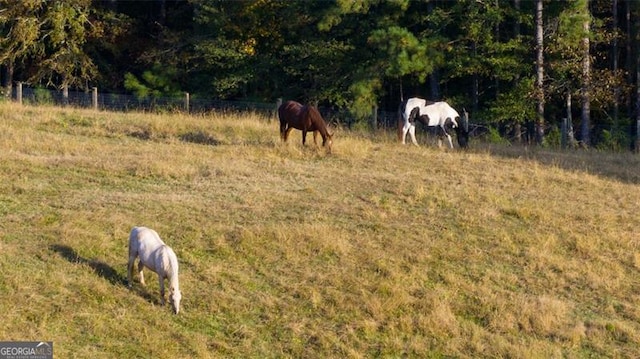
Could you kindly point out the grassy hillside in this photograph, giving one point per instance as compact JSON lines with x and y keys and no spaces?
{"x":377,"y":250}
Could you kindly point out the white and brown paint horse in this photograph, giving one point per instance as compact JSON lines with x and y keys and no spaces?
{"x":145,"y":243}
{"x":432,"y":114}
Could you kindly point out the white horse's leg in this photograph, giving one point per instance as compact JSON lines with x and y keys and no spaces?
{"x":412,"y":132}
{"x":132,"y":259}
{"x":161,"y":289}
{"x":140,"y":274}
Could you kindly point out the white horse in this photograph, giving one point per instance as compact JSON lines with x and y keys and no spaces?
{"x":146,"y":244}
{"x":438,"y":114}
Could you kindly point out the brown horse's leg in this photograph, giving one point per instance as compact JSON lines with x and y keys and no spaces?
{"x":286,"y":133}
{"x":283,"y":130}
{"x":304,"y":137}
{"x":315,"y":138}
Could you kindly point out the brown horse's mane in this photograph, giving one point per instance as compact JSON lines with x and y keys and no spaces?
{"x":317,"y":122}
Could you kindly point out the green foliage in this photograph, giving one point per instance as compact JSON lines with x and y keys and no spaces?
{"x":493,"y":136}
{"x":553,"y":138}
{"x":614,"y":140}
{"x":66,"y":28}
{"x":401,"y":53}
{"x":365,"y":94}
{"x":42,"y":96}
{"x":157,"y":82}
{"x":20,"y":29}
{"x":513,"y":106}
{"x":565,"y":48}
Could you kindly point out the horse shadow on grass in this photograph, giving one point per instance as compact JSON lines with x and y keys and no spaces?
{"x":102,"y":269}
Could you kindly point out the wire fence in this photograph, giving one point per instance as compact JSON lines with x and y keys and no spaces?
{"x":620,"y":138}
{"x":124,"y":102}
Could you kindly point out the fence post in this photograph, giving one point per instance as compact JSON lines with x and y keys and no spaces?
{"x":186,"y":102}
{"x":638,"y":136}
{"x":94,"y":98}
{"x":19,"y":93}
{"x":563,"y":133}
{"x":65,"y":95}
{"x":278,"y":104}
{"x":374,"y":118}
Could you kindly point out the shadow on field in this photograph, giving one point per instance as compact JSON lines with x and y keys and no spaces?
{"x":199,"y":137}
{"x":623,"y":167}
{"x":100,"y":268}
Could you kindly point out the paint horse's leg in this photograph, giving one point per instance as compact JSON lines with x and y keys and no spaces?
{"x":449,"y":139}
{"x":405,"y":129}
{"x":443,"y":133}
{"x":412,"y":133}
{"x":411,"y":121}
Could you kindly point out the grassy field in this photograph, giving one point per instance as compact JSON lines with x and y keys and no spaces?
{"x":376,"y":250}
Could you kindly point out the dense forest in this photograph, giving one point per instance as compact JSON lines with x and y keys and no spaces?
{"x":519,"y":66}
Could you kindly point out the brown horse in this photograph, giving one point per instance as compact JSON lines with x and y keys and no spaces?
{"x":304,"y":118}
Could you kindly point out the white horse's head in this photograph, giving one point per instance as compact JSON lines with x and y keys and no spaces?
{"x":174,"y":298}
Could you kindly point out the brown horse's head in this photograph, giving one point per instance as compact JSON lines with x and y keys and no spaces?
{"x":317,"y":124}
{"x":328,"y":141}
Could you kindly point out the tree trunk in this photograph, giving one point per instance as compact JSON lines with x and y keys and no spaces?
{"x":629,"y":65}
{"x":540,"y":73}
{"x":475,"y":87}
{"x":586,"y":84}
{"x":637,"y":65}
{"x":516,"y":33}
{"x":434,"y":77}
{"x":434,"y":84}
{"x":571,"y":140}
{"x":7,"y":84}
{"x":634,"y":76}
{"x":614,"y":65}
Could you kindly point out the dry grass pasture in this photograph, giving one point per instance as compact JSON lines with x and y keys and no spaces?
{"x":376,"y":250}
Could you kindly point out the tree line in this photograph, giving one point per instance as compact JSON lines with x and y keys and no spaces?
{"x":520,"y":66}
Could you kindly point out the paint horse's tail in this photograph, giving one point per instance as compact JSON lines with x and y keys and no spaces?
{"x":401,"y":109}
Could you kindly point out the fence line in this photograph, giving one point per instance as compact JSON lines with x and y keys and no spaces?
{"x":600,"y":134}
{"x":122,"y":102}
